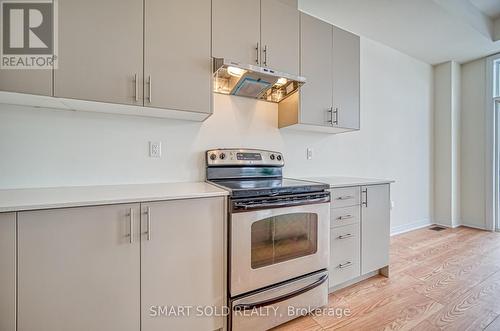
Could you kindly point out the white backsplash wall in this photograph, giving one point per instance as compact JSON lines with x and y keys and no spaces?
{"x":61,"y":148}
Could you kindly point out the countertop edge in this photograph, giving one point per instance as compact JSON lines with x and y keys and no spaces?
{"x":339,"y":182}
{"x":381,"y":182}
{"x":103,"y":202}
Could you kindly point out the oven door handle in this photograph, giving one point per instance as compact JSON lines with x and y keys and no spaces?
{"x":282,"y":204}
{"x":264,"y":303}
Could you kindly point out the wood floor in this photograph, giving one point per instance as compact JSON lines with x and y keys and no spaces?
{"x":447,"y":280}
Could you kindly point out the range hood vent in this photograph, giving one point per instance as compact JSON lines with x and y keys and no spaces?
{"x":255,"y":82}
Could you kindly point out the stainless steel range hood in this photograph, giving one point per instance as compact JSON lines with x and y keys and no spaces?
{"x":255,"y":82}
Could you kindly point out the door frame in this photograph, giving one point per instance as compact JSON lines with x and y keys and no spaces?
{"x":492,"y":164}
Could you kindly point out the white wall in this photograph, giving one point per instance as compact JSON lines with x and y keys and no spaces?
{"x":473,"y":143}
{"x":447,"y":144}
{"x":59,"y":148}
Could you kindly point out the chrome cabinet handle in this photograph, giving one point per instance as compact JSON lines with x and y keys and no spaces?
{"x":365,"y":202}
{"x":330,"y":110}
{"x":345,"y":217}
{"x":345,"y":265}
{"x":336,"y":112}
{"x":257,"y":53}
{"x":136,"y":92}
{"x":345,"y":197}
{"x":131,"y":223}
{"x":150,"y":93}
{"x":345,"y":236}
{"x":148,"y":223}
{"x":265,"y":55}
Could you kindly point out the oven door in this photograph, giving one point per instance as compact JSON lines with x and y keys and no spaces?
{"x":274,"y":245}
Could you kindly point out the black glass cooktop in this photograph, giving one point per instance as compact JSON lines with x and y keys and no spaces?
{"x":268,"y":186}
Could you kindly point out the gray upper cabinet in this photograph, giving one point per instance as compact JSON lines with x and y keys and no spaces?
{"x":316,"y":66}
{"x":329,"y":101}
{"x":264,"y":33}
{"x":79,"y":269}
{"x":375,"y":227}
{"x":177,"y":59}
{"x":8,"y":272}
{"x":32,"y":81}
{"x":236,"y":30}
{"x":182,"y":261}
{"x":100,"y":51}
{"x":346,"y":78}
{"x":280,"y":36}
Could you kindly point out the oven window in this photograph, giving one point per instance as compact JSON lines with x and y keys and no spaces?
{"x":282,"y":238}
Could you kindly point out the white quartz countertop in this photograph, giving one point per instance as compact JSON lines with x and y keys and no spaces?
{"x":61,"y":197}
{"x":337,"y":181}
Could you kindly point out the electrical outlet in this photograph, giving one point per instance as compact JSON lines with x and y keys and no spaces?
{"x":155,"y":149}
{"x":309,"y":153}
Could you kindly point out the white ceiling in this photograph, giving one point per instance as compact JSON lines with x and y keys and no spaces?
{"x":434,"y":31}
{"x":490,"y":8}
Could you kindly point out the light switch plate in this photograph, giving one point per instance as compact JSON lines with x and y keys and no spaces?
{"x":155,"y":149}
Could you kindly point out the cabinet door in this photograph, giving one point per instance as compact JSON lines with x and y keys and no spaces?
{"x":344,"y":254}
{"x":178,"y":64}
{"x":100,"y":51}
{"x":236,"y":30}
{"x":77,"y":269}
{"x":280,"y":36}
{"x":375,"y":227}
{"x":316,"y":67}
{"x":8,"y":272}
{"x":346,"y":80}
{"x":182,"y":262}
{"x":32,"y":81}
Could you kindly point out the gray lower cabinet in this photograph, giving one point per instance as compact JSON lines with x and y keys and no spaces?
{"x":8,"y":272}
{"x":359,"y":232}
{"x":345,"y":254}
{"x":177,"y":55}
{"x":100,"y":51}
{"x":114,"y":268}
{"x":375,"y":227}
{"x":346,"y":79}
{"x":79,"y":269}
{"x":182,"y":262}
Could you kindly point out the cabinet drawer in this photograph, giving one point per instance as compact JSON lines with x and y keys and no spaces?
{"x":344,"y":254}
{"x":347,"y":196}
{"x":344,"y":216}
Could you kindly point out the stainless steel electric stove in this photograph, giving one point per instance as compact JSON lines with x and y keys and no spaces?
{"x":278,"y":229}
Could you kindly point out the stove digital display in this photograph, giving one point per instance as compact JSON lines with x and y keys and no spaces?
{"x":249,"y":156}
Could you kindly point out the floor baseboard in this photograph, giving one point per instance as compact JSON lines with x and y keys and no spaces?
{"x":410,"y":227}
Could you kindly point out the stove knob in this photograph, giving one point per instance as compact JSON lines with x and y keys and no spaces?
{"x":213,"y":156}
{"x":222,"y":156}
{"x":271,"y":156}
{"x":279,"y":157}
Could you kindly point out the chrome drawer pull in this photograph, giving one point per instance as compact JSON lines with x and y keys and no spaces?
{"x":345,"y":197}
{"x":131,"y":219}
{"x":345,"y":236}
{"x":148,"y":223}
{"x":345,"y":265}
{"x":345,"y":217}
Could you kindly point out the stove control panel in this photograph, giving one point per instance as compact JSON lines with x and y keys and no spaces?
{"x":244,"y":157}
